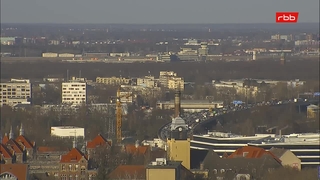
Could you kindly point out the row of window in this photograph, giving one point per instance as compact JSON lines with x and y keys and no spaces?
{"x":23,"y":90}
{"x":72,"y":99}
{"x":10,"y":86}
{"x":72,"y":89}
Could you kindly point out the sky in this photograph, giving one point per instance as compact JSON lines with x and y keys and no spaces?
{"x":154,"y":11}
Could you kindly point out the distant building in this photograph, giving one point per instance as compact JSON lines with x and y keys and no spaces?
{"x":74,"y":93}
{"x":75,"y":165}
{"x":112,"y":80}
{"x":176,"y":83}
{"x":16,"y":91}
{"x":313,"y":111}
{"x":67,"y":131}
{"x":49,"y":54}
{"x":147,"y":81}
{"x":287,"y":157}
{"x":165,"y":76}
{"x":66,"y":55}
{"x":128,"y":172}
{"x":191,"y":105}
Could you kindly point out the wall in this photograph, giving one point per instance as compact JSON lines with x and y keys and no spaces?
{"x":160,"y":174}
{"x":179,"y":150}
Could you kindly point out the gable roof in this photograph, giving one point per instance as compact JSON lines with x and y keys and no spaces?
{"x":140,"y":150}
{"x":24,"y":141}
{"x":5,"y":139}
{"x":16,"y":147}
{"x":252,"y":152}
{"x":128,"y":172}
{"x":5,"y":152}
{"x":74,"y":155}
{"x":278,"y":151}
{"x":18,"y":170}
{"x":99,"y":140}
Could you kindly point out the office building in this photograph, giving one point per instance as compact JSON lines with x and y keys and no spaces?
{"x":74,"y":92}
{"x":16,"y":91}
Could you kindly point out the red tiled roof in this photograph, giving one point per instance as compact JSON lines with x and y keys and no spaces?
{"x":5,"y":151}
{"x":5,"y":139}
{"x":132,"y":149}
{"x":25,"y":141}
{"x":15,"y":146}
{"x":18,"y":170}
{"x":74,"y":155}
{"x":252,"y":152}
{"x":128,"y":172}
{"x":43,"y":149}
{"x":99,"y":140}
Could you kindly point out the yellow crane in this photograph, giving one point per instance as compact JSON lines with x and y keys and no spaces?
{"x":119,"y":113}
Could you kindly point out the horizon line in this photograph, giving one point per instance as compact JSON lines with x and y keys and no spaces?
{"x":157,"y":23}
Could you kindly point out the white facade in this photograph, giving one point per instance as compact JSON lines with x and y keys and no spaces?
{"x":17,"y":91}
{"x":67,"y":131}
{"x":74,"y":93}
{"x":49,"y":54}
{"x":147,"y":81}
{"x":66,"y":55}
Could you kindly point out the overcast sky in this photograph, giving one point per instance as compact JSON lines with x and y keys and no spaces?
{"x":154,"y":11}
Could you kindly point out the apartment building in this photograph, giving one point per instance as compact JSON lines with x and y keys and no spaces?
{"x":112,"y":80}
{"x":165,"y":76}
{"x":147,"y":81}
{"x":176,"y":83}
{"x":74,"y":92}
{"x":16,"y":91}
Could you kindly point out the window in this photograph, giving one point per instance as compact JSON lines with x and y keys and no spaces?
{"x":70,"y":177}
{"x":69,"y":167}
{"x":63,"y":177}
{"x":245,"y":154}
{"x":222,"y":171}
{"x":215,"y":171}
{"x":83,"y":170}
{"x":77,"y":167}
{"x":63,"y":167}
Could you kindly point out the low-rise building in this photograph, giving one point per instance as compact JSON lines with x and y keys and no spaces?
{"x":67,"y":131}
{"x":287,"y":157}
{"x":74,"y":92}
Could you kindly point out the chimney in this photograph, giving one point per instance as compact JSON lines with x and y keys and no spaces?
{"x":177,"y":104}
{"x":137,"y":144}
{"x":201,"y":166}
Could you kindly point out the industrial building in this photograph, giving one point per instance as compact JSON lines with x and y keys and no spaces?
{"x":74,"y":92}
{"x":16,"y":91}
{"x":67,"y":132}
{"x":191,"y":105}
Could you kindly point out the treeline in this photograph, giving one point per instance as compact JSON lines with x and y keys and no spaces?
{"x":191,"y":71}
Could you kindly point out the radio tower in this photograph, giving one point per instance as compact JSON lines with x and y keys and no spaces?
{"x":282,"y":57}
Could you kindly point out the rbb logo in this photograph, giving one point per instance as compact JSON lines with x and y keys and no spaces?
{"x":287,"y":17}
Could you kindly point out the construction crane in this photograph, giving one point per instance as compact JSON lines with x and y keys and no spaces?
{"x":119,"y":113}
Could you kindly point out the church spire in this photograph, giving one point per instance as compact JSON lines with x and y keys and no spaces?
{"x":11,"y":133}
{"x":21,"y":130}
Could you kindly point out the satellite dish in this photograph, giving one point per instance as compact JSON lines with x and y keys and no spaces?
{"x":180,"y":128}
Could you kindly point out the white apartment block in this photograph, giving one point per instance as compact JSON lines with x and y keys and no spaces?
{"x":147,"y":81}
{"x":74,"y":93}
{"x":165,"y":76}
{"x":17,"y":91}
{"x":175,"y":83}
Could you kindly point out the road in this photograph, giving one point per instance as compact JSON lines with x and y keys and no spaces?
{"x":193,"y":120}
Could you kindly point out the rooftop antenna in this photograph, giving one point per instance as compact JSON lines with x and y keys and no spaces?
{"x":79,"y":74}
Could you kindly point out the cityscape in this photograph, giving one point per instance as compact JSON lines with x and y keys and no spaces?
{"x":134,"y":101}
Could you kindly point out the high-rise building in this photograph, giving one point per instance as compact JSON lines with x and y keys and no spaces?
{"x":16,"y":91}
{"x":74,"y":92}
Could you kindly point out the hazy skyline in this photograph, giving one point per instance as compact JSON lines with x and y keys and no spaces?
{"x":154,"y":12}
